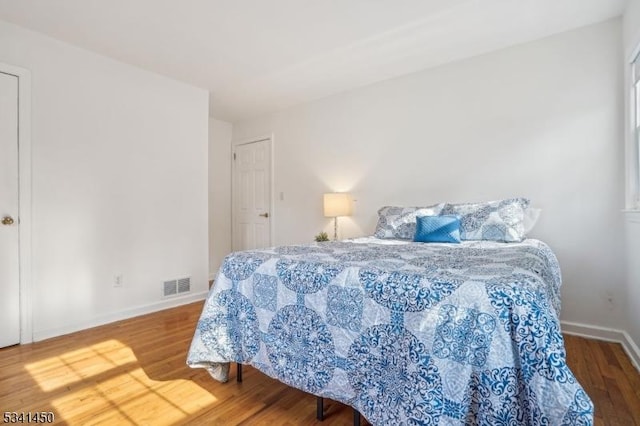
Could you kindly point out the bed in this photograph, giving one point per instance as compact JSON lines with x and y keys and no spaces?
{"x":405,"y":332}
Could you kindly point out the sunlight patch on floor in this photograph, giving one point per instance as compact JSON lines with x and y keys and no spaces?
{"x":76,"y":365}
{"x":105,"y":383}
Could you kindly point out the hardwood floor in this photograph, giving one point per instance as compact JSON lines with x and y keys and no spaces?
{"x":133,"y":373}
{"x":608,"y":377}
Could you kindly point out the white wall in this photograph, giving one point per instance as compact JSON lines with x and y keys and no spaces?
{"x":220,"y":133}
{"x":119,"y":175}
{"x":541,"y":120}
{"x":631,"y":25}
{"x":631,"y":31}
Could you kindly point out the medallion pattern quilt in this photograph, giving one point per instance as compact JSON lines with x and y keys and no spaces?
{"x":406,"y":333}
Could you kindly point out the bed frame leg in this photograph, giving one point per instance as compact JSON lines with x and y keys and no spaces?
{"x":356,"y":417}
{"x":239,"y":372}
{"x":319,"y":408}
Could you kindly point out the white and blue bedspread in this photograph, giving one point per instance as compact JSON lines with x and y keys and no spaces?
{"x":407,"y":333}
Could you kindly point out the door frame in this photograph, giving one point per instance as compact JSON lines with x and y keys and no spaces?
{"x":24,"y":198}
{"x":234,"y":185}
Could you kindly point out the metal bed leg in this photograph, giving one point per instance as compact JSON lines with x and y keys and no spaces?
{"x":238,"y":372}
{"x":319,"y":408}
{"x":356,"y":417}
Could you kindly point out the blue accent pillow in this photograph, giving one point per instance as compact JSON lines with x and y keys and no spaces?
{"x":437,"y":229}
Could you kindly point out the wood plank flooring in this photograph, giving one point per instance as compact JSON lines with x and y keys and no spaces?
{"x":133,"y":372}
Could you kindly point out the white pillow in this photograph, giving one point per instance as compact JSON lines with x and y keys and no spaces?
{"x":531,"y":216}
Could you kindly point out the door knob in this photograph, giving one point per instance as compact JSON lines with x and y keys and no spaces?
{"x":7,"y":220}
{"x":264,"y":215}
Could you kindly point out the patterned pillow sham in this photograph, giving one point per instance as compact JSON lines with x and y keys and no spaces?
{"x":500,"y":220}
{"x":400,"y":222}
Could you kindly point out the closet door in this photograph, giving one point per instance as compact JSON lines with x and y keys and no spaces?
{"x":9,"y":247}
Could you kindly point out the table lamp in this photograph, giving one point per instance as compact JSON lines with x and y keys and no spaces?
{"x":337,"y":204}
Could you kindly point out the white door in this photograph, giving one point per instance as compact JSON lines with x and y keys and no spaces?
{"x":9,"y":258}
{"x":252,"y":195}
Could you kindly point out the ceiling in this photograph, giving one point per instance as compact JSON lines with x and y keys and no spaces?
{"x":258,"y":56}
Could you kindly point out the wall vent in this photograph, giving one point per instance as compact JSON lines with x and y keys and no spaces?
{"x":177,"y":286}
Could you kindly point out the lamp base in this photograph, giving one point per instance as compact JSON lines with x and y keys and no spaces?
{"x":335,"y":228}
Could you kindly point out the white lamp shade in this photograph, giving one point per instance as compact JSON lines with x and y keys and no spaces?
{"x":337,"y":204}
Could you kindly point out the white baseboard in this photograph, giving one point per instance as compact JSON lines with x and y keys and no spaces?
{"x":607,"y":334}
{"x":120,"y":315}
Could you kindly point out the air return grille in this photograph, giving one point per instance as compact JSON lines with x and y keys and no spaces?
{"x":176,"y":287}
{"x":184,"y":285}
